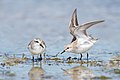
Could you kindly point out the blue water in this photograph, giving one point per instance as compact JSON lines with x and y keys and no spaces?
{"x":21,"y":21}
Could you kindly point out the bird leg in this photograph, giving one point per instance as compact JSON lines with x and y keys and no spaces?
{"x":87,"y":56}
{"x":87,"y":59}
{"x":33,"y":58}
{"x":40,"y":57}
{"x":80,"y":57}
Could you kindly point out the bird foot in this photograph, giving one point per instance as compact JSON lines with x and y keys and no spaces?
{"x":32,"y":60}
{"x":79,"y":59}
{"x":40,"y":59}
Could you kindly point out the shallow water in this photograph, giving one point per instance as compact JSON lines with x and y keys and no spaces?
{"x":23,"y":20}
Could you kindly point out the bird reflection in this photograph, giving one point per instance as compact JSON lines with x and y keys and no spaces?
{"x":36,"y":73}
{"x":79,"y":73}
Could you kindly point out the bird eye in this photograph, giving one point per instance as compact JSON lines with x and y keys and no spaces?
{"x":67,"y":47}
{"x":36,"y":41}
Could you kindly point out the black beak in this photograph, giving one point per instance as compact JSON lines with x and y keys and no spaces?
{"x":62,"y":52}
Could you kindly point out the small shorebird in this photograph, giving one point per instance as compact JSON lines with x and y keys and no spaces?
{"x":36,"y":47}
{"x":81,"y":41}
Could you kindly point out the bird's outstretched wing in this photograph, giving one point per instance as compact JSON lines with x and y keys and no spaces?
{"x":73,"y":24}
{"x":81,"y":30}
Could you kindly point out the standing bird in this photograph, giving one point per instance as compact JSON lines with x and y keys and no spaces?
{"x":81,"y":41}
{"x":37,"y":47}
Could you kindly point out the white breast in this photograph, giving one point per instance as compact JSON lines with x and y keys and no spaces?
{"x":36,"y":49}
{"x":83,"y":46}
